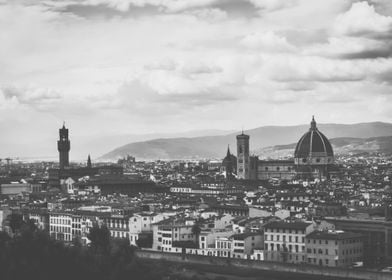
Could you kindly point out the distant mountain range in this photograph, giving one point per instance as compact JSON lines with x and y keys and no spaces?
{"x":266,"y":141}
{"x":341,"y":145}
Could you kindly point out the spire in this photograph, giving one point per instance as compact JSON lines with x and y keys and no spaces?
{"x":89,"y":161}
{"x":313,"y":124}
{"x":228,"y":151}
{"x":63,"y":124}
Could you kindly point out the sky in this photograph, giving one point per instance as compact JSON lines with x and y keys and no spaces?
{"x":110,"y":68}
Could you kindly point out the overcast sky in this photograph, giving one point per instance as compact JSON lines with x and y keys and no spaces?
{"x":116,"y":67}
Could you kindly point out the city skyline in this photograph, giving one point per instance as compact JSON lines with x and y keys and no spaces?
{"x":112,"y":67}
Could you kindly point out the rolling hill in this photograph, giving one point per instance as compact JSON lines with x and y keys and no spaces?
{"x":349,"y":136}
{"x":341,"y":145}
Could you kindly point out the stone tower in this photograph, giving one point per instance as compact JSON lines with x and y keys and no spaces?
{"x":63,"y":146}
{"x":243,"y":156}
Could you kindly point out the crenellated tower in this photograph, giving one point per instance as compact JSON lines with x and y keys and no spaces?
{"x":63,"y":146}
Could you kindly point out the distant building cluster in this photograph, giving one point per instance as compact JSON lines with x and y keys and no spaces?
{"x":313,"y":158}
{"x":316,"y":208}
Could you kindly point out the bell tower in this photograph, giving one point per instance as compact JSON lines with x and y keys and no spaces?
{"x":63,"y":146}
{"x":243,"y":164}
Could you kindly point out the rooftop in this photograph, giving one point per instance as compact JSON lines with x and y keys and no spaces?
{"x":333,"y":235}
{"x":287,"y":225}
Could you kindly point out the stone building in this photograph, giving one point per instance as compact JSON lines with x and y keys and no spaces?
{"x":334,"y":248}
{"x":313,"y":158}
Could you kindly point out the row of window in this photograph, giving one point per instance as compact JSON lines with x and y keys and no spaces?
{"x":277,"y":169}
{"x":166,"y":242}
{"x":292,"y":231}
{"x":144,"y":219}
{"x":60,"y":221}
{"x":60,"y":229}
{"x":284,"y":238}
{"x":348,"y":241}
{"x":283,"y":248}
{"x":119,"y":234}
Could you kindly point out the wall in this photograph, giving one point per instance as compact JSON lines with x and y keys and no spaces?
{"x":270,"y":266}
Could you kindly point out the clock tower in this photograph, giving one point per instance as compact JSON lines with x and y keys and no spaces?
{"x":63,"y":146}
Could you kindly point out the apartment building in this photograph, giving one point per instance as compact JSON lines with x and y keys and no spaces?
{"x":285,"y":240}
{"x":334,"y":248}
{"x":171,"y":233}
{"x":141,"y":223}
{"x":60,"y":226}
{"x":244,"y":244}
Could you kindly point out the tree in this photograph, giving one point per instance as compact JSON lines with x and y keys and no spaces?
{"x":144,"y":241}
{"x":15,"y":222}
{"x":100,"y":239}
{"x":196,"y":229}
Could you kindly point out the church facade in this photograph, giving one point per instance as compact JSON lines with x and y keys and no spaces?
{"x":313,"y":158}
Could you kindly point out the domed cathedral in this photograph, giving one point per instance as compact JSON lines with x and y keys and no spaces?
{"x":313,"y":156}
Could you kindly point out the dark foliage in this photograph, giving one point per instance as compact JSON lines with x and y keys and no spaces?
{"x":15,"y":222}
{"x":145,"y":241}
{"x":33,"y":255}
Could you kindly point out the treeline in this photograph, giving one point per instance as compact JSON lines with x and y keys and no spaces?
{"x":29,"y":254}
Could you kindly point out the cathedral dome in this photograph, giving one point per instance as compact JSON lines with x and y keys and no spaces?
{"x":314,"y":147}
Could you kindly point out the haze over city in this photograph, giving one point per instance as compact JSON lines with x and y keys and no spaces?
{"x":113,"y":68}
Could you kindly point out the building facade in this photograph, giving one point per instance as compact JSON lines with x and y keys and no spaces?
{"x":334,"y":248}
{"x":313,"y":158}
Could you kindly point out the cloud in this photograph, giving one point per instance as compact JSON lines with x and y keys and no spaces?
{"x":39,"y":98}
{"x":155,"y":66}
{"x":267,"y":41}
{"x":164,"y":5}
{"x":352,"y":48}
{"x":362,"y":20}
{"x":313,"y":68}
{"x":272,"y":5}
